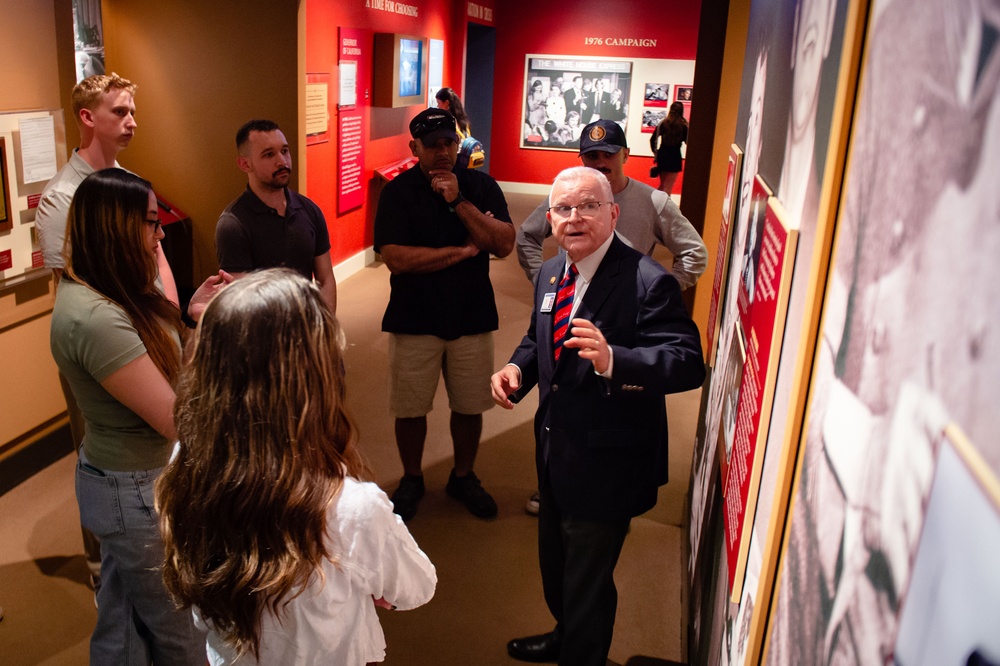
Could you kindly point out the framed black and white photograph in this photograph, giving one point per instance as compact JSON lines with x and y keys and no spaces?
{"x":651,"y":118}
{"x":656,"y":94}
{"x":731,"y":382}
{"x":88,"y":33}
{"x":562,"y":94}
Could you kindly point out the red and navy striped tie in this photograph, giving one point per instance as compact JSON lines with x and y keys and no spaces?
{"x":564,"y":306}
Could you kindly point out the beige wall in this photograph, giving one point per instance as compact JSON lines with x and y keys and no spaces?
{"x":29,"y":80}
{"x":29,"y":77}
{"x":203,"y":69}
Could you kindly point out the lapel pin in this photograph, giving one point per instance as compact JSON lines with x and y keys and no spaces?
{"x":552,"y":280}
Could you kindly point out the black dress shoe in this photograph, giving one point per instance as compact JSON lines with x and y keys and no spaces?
{"x":537,"y":649}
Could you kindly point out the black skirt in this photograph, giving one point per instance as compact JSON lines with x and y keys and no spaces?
{"x":668,"y":159}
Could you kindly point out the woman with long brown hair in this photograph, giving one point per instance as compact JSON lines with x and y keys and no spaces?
{"x":270,"y":535}
{"x":666,"y":144}
{"x":117,"y":340}
{"x":449,"y":100}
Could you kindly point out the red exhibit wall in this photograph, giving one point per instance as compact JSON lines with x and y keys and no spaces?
{"x":522,"y":27}
{"x":560,"y":28}
{"x":386,"y":134}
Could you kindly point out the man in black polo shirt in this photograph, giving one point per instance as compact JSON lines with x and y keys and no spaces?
{"x":436,"y":229}
{"x":269,"y":225}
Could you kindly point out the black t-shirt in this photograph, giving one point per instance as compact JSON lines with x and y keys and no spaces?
{"x":457,"y":300}
{"x":250,"y":235}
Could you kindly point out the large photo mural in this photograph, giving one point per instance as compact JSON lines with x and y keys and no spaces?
{"x":909,"y":355}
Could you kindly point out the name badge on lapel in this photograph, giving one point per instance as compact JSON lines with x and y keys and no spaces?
{"x":548,"y":300}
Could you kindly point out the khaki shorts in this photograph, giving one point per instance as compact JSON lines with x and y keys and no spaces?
{"x":417,"y":361}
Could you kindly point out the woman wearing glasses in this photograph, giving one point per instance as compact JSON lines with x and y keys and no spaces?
{"x":117,"y":339}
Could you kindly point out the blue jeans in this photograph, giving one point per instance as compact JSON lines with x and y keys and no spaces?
{"x":137,"y":622}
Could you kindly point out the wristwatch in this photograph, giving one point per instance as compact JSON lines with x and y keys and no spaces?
{"x":454,"y":204}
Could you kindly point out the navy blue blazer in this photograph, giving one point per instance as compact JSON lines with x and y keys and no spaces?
{"x":603,"y":442}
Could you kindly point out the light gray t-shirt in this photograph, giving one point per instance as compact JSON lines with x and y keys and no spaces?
{"x":53,"y":208}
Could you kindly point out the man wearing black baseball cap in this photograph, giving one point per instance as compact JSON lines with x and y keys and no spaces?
{"x":432,"y":124}
{"x":436,"y":228}
{"x":647,"y":216}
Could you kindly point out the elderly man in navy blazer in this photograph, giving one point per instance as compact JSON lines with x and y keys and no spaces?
{"x":609,"y":337}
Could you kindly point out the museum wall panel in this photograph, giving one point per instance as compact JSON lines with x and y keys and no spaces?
{"x":29,"y":80}
{"x":203,"y":69}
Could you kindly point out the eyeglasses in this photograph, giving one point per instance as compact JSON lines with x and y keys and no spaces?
{"x":586,"y":210}
{"x":157,"y":224}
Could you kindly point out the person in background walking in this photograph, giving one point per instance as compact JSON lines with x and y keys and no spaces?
{"x":666,"y":144}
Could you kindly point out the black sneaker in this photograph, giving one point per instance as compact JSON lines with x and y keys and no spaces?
{"x":470,"y":491}
{"x":407,"y":496}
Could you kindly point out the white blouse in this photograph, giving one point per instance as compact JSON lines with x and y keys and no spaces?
{"x":334,"y":621}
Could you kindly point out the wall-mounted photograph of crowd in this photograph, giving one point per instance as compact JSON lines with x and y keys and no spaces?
{"x":651,"y":118}
{"x":563,"y":94}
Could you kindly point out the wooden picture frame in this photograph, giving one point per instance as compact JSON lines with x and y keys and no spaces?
{"x":763,"y":328}
{"x":722,"y":252}
{"x":731,"y":383}
{"x":858,"y":399}
{"x":816,"y":230}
